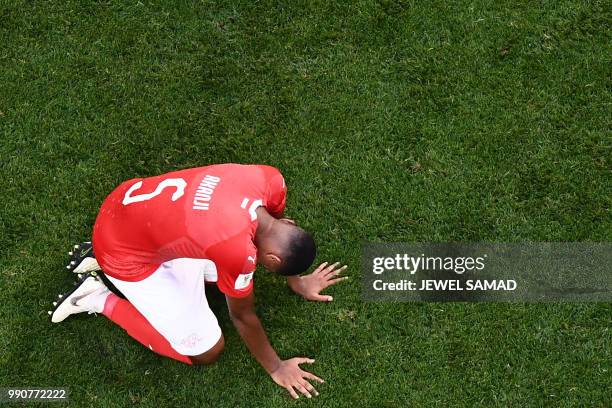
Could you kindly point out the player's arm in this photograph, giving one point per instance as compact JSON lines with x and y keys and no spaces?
{"x":285,"y":373}
{"x":310,"y":286}
{"x":242,"y":313}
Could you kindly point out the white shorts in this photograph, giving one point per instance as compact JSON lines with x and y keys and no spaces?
{"x":173,"y":300}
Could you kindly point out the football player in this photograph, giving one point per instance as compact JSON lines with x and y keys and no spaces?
{"x":158,"y":240}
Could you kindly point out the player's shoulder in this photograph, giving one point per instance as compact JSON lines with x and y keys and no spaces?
{"x":268,"y":171}
{"x":261,"y":169}
{"x":236,"y":170}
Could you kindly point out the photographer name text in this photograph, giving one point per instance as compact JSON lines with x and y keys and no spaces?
{"x":459,"y":265}
{"x":445,"y":285}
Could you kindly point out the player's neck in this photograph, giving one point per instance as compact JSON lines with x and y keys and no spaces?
{"x":265,"y":225}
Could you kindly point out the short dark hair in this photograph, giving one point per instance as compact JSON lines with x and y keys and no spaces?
{"x":300,"y":253}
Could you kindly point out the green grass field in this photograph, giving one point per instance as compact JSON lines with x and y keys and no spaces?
{"x":391,"y":120}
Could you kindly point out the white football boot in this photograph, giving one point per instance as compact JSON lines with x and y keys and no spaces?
{"x":88,"y":295}
{"x":82,"y":259}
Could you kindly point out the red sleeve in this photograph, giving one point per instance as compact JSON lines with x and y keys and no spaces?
{"x":235,"y":259}
{"x":276,"y":191}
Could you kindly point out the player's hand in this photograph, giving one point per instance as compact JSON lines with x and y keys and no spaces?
{"x":289,"y":375}
{"x":310,"y":286}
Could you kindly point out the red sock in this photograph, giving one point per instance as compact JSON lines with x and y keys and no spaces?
{"x":125,"y":315}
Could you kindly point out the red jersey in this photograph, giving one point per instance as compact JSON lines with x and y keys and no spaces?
{"x":205,"y":212}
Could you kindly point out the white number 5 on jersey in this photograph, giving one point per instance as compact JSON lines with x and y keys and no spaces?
{"x":177,"y":183}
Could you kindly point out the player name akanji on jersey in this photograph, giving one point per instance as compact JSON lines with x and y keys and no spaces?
{"x":203,"y":195}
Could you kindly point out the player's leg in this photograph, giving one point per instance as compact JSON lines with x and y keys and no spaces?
{"x":92,"y":296}
{"x":173,"y":300}
{"x":126,"y":316}
{"x":211,"y":356}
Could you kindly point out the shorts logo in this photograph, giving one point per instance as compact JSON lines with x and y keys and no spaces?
{"x":190,"y":341}
{"x":243,"y":281}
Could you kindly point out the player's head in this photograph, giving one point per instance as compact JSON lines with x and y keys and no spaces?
{"x":288,"y":249}
{"x":297,"y":252}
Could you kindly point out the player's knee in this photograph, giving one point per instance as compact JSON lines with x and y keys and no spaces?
{"x":211,"y":356}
